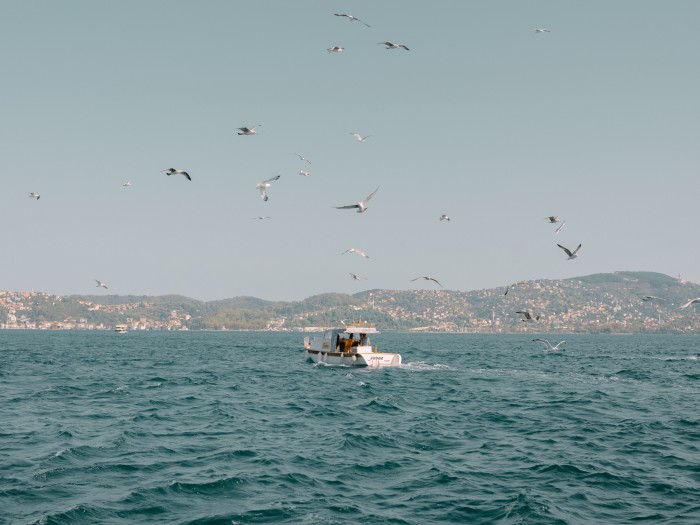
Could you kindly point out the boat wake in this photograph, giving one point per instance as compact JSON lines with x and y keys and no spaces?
{"x":422,"y":365}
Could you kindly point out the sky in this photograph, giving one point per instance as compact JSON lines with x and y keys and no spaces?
{"x":483,"y":119}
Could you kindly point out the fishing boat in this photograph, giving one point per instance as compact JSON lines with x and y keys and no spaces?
{"x":120,"y":328}
{"x":349,"y":346}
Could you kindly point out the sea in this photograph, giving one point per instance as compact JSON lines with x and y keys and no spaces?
{"x":239,"y":428}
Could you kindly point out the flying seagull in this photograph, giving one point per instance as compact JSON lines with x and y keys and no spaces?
{"x":175,"y":171}
{"x":262,"y":186}
{"x":33,"y":195}
{"x":646,"y":298}
{"x":100,"y":284}
{"x":127,"y":184}
{"x":391,"y":45}
{"x":302,"y":158}
{"x":356,"y":278}
{"x":528,"y":316}
{"x":553,"y":219}
{"x":357,"y":251}
{"x":427,"y":278}
{"x":335,"y":49}
{"x":541,"y":30}
{"x":560,"y":227}
{"x":351,"y":18}
{"x":304,"y":173}
{"x":444,"y":217}
{"x":549,"y":346}
{"x":261,"y":217}
{"x":692,"y":301}
{"x":360,"y":137}
{"x":572,"y":255}
{"x":249,"y":131}
{"x":361,"y":206}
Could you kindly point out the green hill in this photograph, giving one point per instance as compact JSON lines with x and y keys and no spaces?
{"x":605,"y":302}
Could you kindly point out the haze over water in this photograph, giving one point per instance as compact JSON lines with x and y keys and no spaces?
{"x":232,"y":427}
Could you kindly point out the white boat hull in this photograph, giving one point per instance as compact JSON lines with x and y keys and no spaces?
{"x":368,"y":359}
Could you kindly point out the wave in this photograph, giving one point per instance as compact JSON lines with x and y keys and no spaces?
{"x":423,"y":366}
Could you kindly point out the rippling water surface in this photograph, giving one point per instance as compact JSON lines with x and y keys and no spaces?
{"x":237,"y":428}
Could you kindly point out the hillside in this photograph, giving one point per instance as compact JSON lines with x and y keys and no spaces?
{"x":610,"y":302}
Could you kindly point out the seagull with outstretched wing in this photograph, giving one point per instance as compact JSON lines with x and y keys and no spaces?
{"x":428,"y":278}
{"x":361,"y":206}
{"x":528,"y":316}
{"x":391,"y":45}
{"x":357,"y":251}
{"x":264,"y":185}
{"x":351,"y":18}
{"x":686,"y":305}
{"x":302,"y":158}
{"x":175,"y":171}
{"x":572,"y":255}
{"x":360,"y":137}
{"x":245,"y":130}
{"x":549,"y":345}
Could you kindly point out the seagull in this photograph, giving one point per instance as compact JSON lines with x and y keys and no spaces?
{"x":351,"y":18}
{"x":528,"y":316}
{"x":427,"y":278}
{"x":572,"y":255}
{"x":175,"y":171}
{"x":507,"y":290}
{"x":100,"y":284}
{"x":249,"y":131}
{"x":391,"y":45}
{"x":302,"y":158}
{"x":262,"y":186}
{"x":541,"y":30}
{"x":444,"y":217}
{"x":549,"y":346}
{"x":261,"y":217}
{"x":335,"y":49}
{"x":686,"y":305}
{"x":357,"y":251}
{"x":646,"y":298}
{"x":356,"y":278}
{"x":560,"y":227}
{"x":304,"y":173}
{"x":361,"y":206}
{"x":360,"y":137}
{"x":553,"y":219}
{"x":33,"y":195}
{"x":127,"y":184}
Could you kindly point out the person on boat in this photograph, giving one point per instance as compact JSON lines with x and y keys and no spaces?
{"x":349,"y":343}
{"x":364,"y":340}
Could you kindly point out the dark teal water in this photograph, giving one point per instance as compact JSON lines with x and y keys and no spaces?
{"x":237,"y":428}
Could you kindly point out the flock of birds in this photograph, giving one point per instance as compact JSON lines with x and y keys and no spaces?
{"x":361,"y":206}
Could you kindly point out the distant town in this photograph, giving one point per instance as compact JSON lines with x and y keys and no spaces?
{"x":20,"y":314}
{"x":620,"y":302}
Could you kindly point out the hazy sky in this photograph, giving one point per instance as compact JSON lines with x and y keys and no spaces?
{"x":483,"y":119}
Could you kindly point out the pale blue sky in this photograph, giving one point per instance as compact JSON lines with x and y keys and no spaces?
{"x":482,"y":119}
